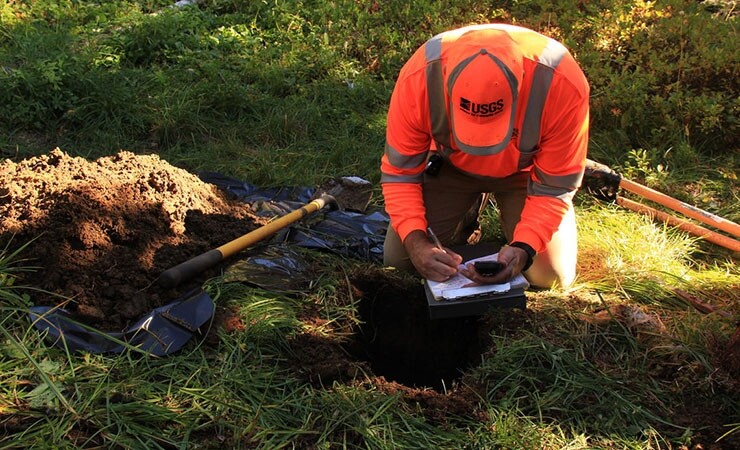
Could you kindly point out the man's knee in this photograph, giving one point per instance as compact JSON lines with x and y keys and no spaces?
{"x":548,"y":277}
{"x":556,"y":265}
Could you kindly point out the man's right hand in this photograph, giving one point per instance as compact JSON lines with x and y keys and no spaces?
{"x":431,"y":262}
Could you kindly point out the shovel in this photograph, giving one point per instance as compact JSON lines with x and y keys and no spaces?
{"x":604,"y":183}
{"x":346,"y":193}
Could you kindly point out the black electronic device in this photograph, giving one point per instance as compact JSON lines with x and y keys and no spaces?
{"x":488,"y":268}
{"x":434,"y":165}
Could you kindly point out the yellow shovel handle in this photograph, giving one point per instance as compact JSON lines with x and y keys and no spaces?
{"x":185,"y":270}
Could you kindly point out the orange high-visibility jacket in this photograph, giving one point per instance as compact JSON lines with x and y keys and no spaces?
{"x":549,"y":139}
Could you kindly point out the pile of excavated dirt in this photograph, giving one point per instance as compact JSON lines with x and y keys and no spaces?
{"x":99,"y":233}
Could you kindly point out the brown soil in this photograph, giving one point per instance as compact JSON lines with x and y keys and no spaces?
{"x":101,"y":232}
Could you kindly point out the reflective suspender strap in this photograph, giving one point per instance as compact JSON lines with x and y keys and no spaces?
{"x":541,"y":82}
{"x":435,"y":92}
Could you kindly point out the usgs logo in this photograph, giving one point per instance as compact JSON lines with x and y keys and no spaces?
{"x":481,"y":109}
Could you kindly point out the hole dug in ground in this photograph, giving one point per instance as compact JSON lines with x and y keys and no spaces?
{"x":401,"y":343}
{"x":395,"y":348}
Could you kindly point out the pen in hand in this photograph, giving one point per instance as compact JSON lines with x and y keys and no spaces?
{"x":435,"y":239}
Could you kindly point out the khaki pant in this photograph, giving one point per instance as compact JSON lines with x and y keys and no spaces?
{"x":453,"y":201}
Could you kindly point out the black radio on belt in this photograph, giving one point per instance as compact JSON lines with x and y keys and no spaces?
{"x":434,"y":164}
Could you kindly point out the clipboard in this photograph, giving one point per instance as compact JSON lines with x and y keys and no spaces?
{"x":476,"y":300}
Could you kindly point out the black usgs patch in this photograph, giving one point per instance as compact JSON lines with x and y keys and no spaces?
{"x":481,"y":109}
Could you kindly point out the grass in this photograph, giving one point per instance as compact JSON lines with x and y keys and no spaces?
{"x":290,"y":93}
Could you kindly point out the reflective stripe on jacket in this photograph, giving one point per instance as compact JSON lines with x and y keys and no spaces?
{"x":549,"y":138}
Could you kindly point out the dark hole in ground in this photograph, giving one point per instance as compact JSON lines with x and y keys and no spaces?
{"x":401,"y":343}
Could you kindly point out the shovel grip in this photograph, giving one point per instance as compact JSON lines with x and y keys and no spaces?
{"x":188,"y":269}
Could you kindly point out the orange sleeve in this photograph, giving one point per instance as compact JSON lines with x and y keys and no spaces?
{"x":405,"y":207}
{"x":561,"y":159}
{"x":408,"y":139}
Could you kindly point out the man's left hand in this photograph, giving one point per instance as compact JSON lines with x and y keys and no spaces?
{"x":514,"y":260}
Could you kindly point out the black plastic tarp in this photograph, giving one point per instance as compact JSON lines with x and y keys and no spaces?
{"x":162,"y":331}
{"x":348,"y":233}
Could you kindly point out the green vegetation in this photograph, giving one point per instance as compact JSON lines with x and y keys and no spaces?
{"x":293,"y":92}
